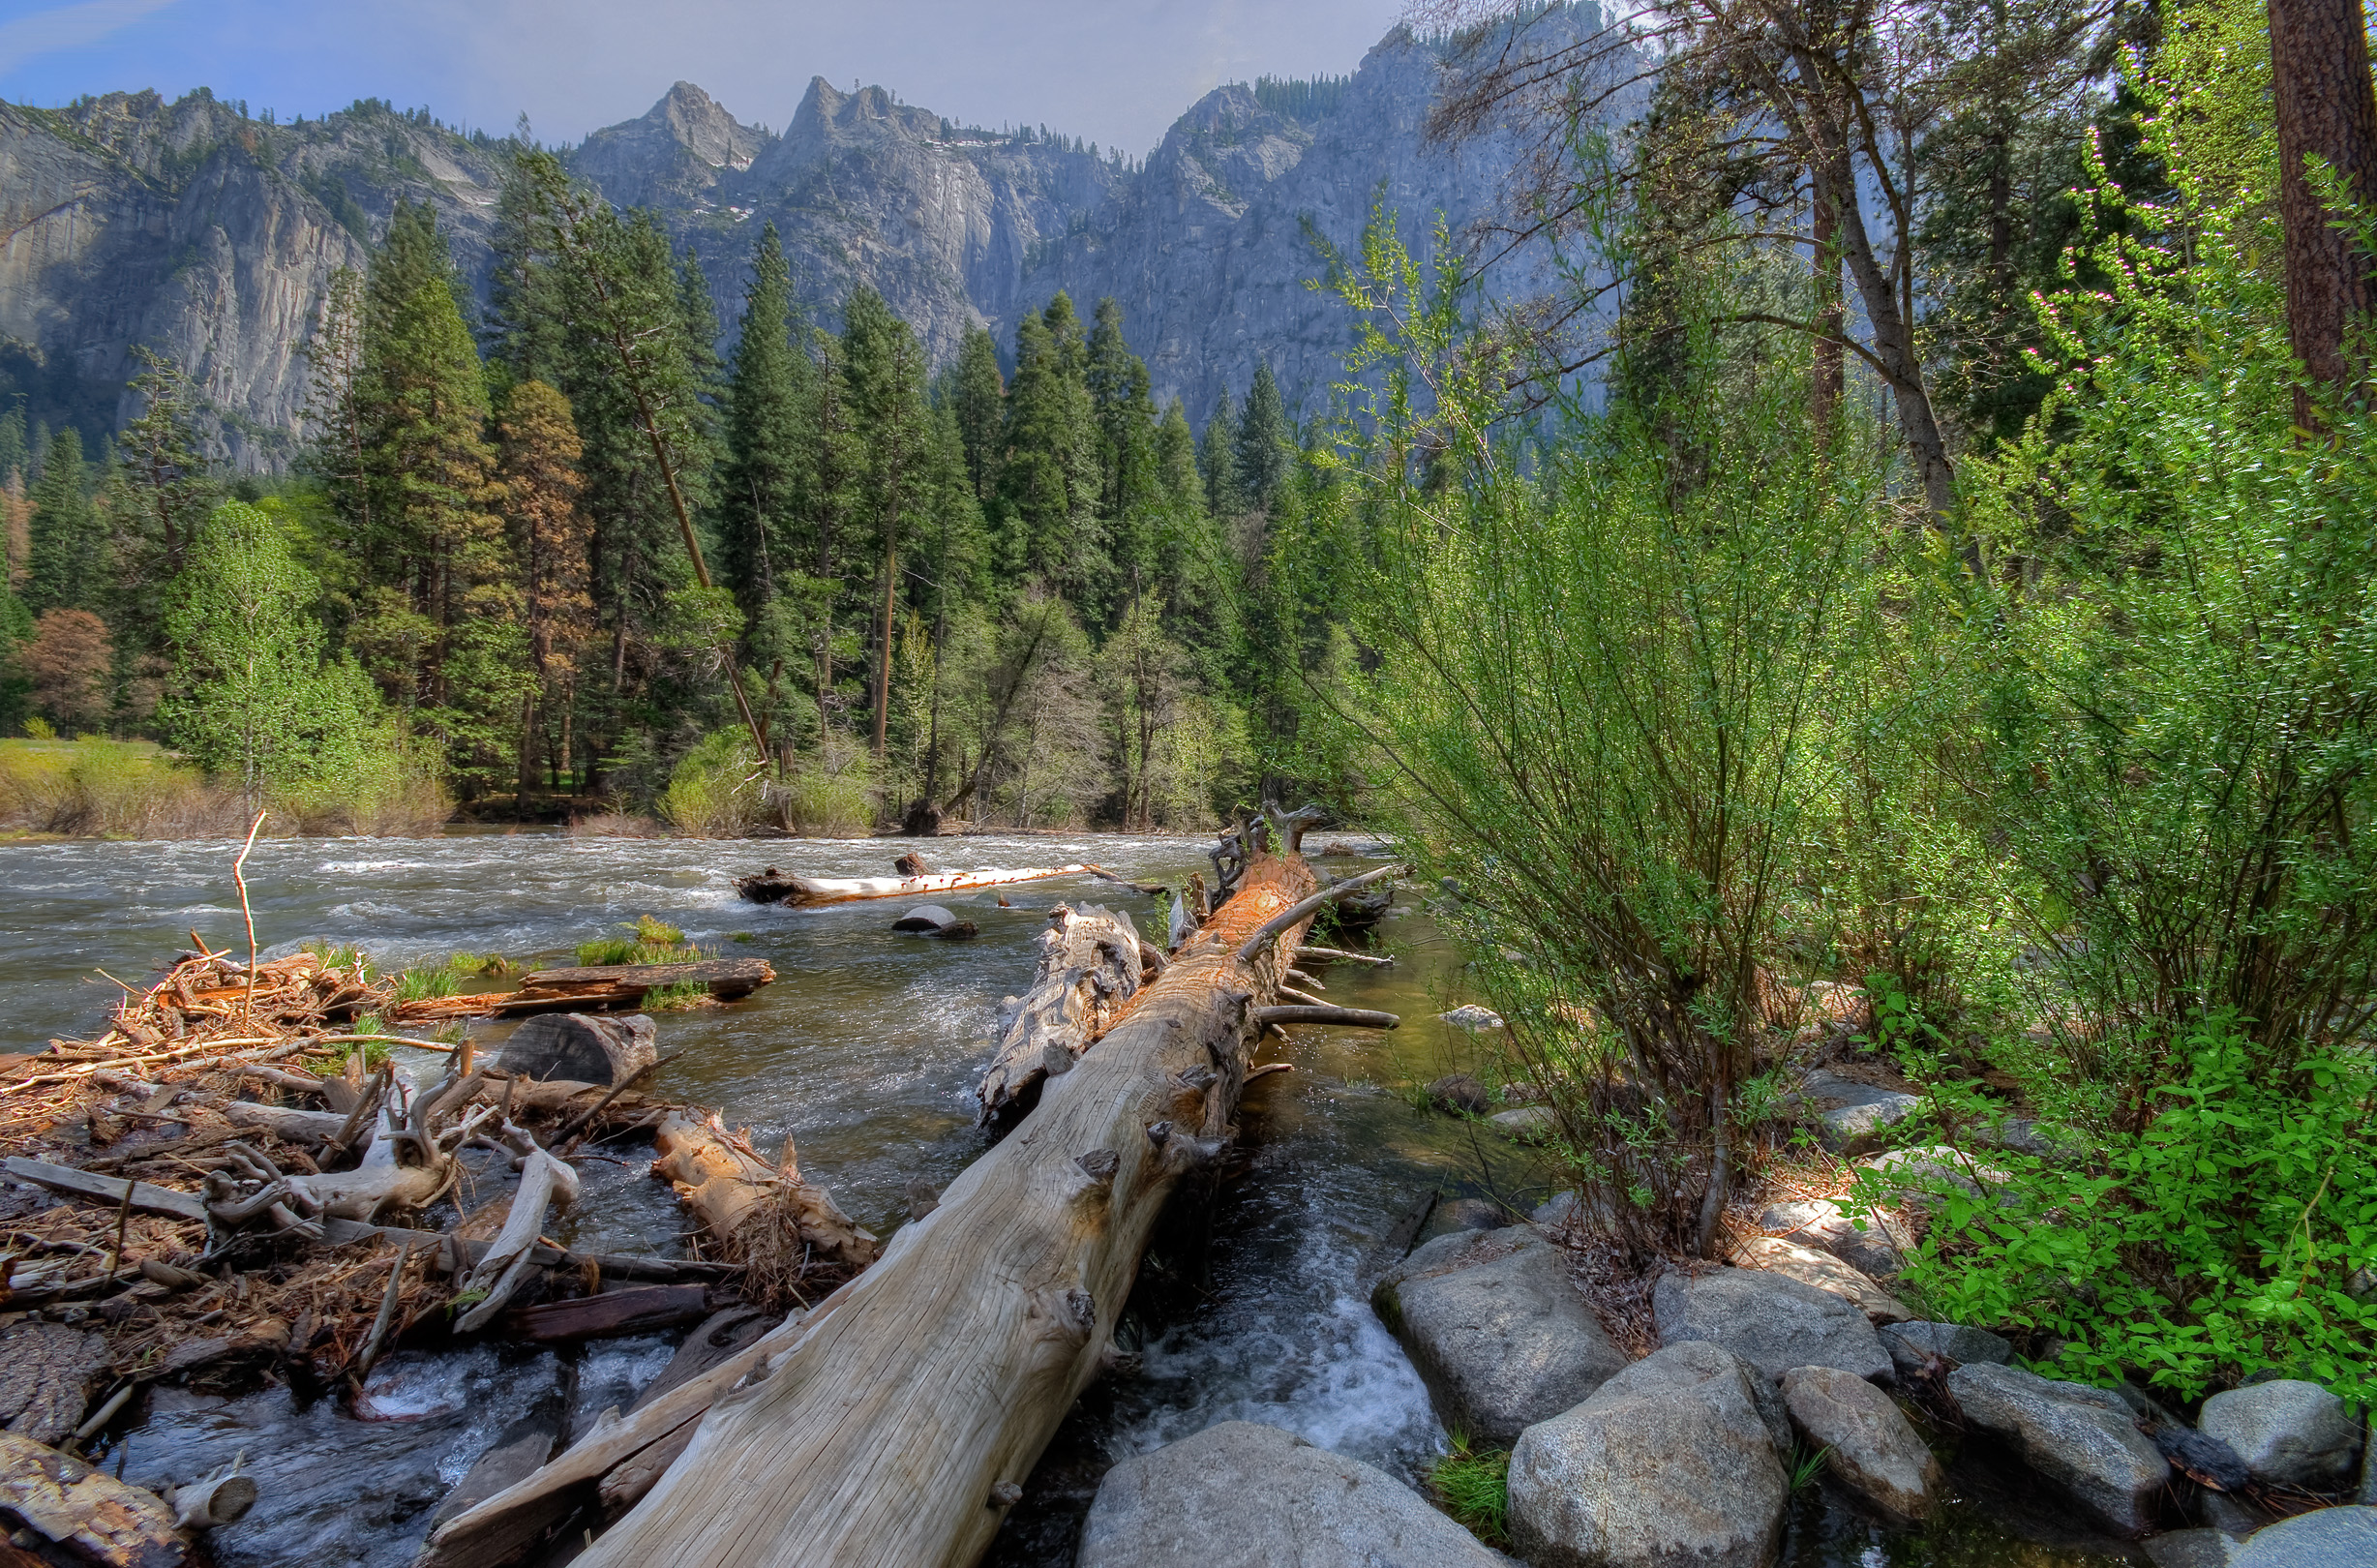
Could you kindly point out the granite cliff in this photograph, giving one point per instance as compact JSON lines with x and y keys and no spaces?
{"x":210,"y":236}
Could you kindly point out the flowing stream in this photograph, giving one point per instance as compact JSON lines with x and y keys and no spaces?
{"x":864,"y":1052}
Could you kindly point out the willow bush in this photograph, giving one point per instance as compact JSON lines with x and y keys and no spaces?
{"x":1605,"y":691}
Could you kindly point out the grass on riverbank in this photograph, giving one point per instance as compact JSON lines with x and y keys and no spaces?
{"x":1474,"y":1487}
{"x":97,"y":788}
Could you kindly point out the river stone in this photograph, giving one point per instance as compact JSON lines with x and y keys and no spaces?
{"x":1458,"y":1092}
{"x":2083,"y":1440}
{"x":581,"y":1046}
{"x":1499,"y":1335}
{"x":1854,"y":1114}
{"x":2190,"y":1549}
{"x":1528,"y":1123}
{"x":1770,"y":1320}
{"x":1825,"y":1272}
{"x":1872,"y":1245}
{"x":924,"y":917}
{"x":1669,"y":1463}
{"x":1911,"y":1345}
{"x":1917,"y":1175}
{"x":2289,"y":1432}
{"x":1243,"y":1495}
{"x":2329,"y":1538}
{"x":1875,"y":1452}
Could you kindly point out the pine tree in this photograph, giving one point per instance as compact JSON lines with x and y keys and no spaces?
{"x":885,"y":371}
{"x":978,"y":399}
{"x":1129,"y":492}
{"x":1218,"y":458}
{"x":1176,"y":459}
{"x":15,"y":456}
{"x":1265,"y":443}
{"x":1050,"y":479}
{"x":164,"y":491}
{"x":550,"y":535}
{"x":767,"y":404}
{"x":67,"y":563}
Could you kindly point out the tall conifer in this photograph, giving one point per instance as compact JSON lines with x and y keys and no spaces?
{"x":1265,"y":442}
{"x":65,"y":568}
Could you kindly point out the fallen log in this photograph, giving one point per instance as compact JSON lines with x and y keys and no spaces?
{"x":1341,"y":956}
{"x":595,"y":985}
{"x":1335,"y":1017}
{"x":773,"y":886}
{"x":86,"y":1511}
{"x":903,"y":1420}
{"x":145,"y":1198}
{"x":612,"y":1314}
{"x":454,"y":1249}
{"x":1090,"y":964}
{"x":750,"y":1205}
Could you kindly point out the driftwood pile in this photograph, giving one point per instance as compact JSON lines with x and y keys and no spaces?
{"x":242,"y":1200}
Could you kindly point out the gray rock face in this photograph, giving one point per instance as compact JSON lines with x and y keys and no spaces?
{"x":1669,"y":1463}
{"x":2083,"y":1440}
{"x":2288,"y":1431}
{"x":673,"y":156}
{"x":2368,"y":1463}
{"x":1920,"y":1175}
{"x":1912,"y":1344}
{"x":580,"y":1045}
{"x":1872,"y":1245}
{"x":924,"y":918}
{"x":1855,"y":1114}
{"x":1770,"y":1321}
{"x":1875,"y":1452}
{"x":1527,"y":1124}
{"x":1825,"y":1272}
{"x":2190,"y":1549}
{"x":2331,"y":1538}
{"x":1460,"y":1092}
{"x":1498,"y":1334}
{"x":1242,"y":1496}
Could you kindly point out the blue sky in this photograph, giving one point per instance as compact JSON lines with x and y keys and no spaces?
{"x":1114,"y":70}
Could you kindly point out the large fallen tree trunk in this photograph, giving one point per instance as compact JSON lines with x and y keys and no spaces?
{"x":901,"y":1424}
{"x":773,"y":886}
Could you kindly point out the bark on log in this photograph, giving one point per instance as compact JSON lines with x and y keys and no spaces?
{"x":452,"y":1248}
{"x":1089,"y":965}
{"x":596,"y":986}
{"x":47,"y":1371}
{"x":145,"y":1198}
{"x":87,"y":1511}
{"x":1338,"y":1018}
{"x":730,"y":1188}
{"x":898,"y":1424}
{"x":774,"y":887}
{"x":645,"y":1310}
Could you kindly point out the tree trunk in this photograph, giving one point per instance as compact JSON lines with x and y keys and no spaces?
{"x":897,"y":1428}
{"x":2326,"y":109}
{"x":1831,"y":316}
{"x":1089,"y":966}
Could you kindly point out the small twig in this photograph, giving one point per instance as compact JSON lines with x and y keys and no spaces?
{"x":123,"y":1220}
{"x":239,"y":880}
{"x":388,"y":1316}
{"x":1263,"y":934}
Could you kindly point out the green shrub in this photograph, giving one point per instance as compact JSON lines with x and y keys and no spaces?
{"x":2225,"y":1237}
{"x":1474,"y":1488}
{"x":718,"y":789}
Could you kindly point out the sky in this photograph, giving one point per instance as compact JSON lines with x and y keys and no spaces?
{"x":1115,"y":72}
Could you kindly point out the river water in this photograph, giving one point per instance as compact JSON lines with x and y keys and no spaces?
{"x":864,"y":1052}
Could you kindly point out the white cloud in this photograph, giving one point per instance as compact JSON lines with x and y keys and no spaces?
{"x":68,"y":28}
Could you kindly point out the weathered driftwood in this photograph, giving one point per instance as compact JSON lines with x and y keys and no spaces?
{"x":724,"y":1182}
{"x":146,"y":1197}
{"x":1090,"y":964}
{"x":47,"y":1371}
{"x":452,"y":1251}
{"x":506,"y":1524}
{"x":86,"y":1511}
{"x":1341,"y":956}
{"x":773,"y":886}
{"x":543,"y":1180}
{"x":908,"y":1412}
{"x":219,"y":1499}
{"x":1339,"y":1018}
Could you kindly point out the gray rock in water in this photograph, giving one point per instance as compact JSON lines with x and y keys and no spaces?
{"x":1873,"y":1243}
{"x":1912,"y":1344}
{"x":1669,"y":1462}
{"x":1472,"y":1017}
{"x":1555,"y":1212}
{"x":2083,"y":1440}
{"x":1460,"y":1092}
{"x":1468,"y":1213}
{"x":1527,"y":1124}
{"x":926,"y":919}
{"x":1243,"y":1495}
{"x":1854,"y":1114}
{"x":1875,"y":1452}
{"x":1771,"y":1321}
{"x":2287,"y":1431}
{"x":1497,"y":1332}
{"x":1825,"y":1272}
{"x":2331,"y":1538}
{"x":2190,"y":1549}
{"x":580,"y":1045}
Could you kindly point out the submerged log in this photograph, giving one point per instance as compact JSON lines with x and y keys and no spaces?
{"x":1090,"y":964}
{"x":900,"y":1423}
{"x":773,"y":886}
{"x":645,"y":1310}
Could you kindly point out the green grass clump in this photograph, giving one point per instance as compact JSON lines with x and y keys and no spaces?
{"x":340,"y":955}
{"x":432,"y":980}
{"x":674,"y":998}
{"x":1474,"y":1487}
{"x":658,"y":933}
{"x":655,"y":942}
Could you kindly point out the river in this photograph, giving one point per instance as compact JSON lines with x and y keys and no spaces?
{"x":864,"y":1051}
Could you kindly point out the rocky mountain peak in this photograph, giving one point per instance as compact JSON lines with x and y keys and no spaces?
{"x":674,"y":155}
{"x":698,"y":123}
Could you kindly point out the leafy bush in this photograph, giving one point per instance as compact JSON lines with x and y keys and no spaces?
{"x":2225,"y":1237}
{"x":718,"y":789}
{"x":113,"y":789}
